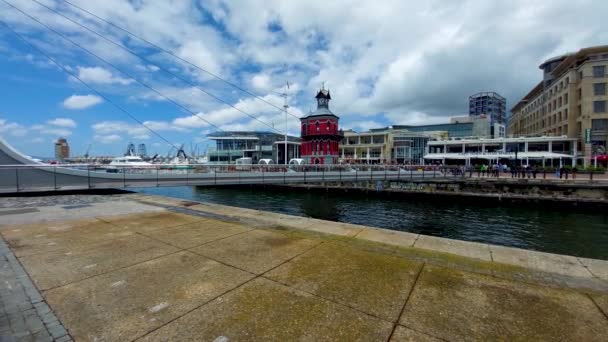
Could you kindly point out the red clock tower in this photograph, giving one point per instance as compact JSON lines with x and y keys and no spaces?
{"x":320,"y":133}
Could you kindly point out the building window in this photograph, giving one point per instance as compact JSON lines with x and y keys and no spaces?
{"x":566,"y":114}
{"x":599,"y":88}
{"x":567,"y":81}
{"x":559,"y":102}
{"x":580,"y":75}
{"x":599,"y":124}
{"x":599,"y":106}
{"x":599,"y":71}
{"x":580,"y":93}
{"x":566,"y":98}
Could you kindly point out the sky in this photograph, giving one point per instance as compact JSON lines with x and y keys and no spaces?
{"x":385,"y":62}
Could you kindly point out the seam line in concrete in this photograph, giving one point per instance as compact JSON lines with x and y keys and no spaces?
{"x":416,"y":240}
{"x":605,"y":314}
{"x":112,"y":270}
{"x":587,"y":268}
{"x":226,"y":292}
{"x":204,"y":256}
{"x":327,"y":299}
{"x":409,"y":295}
{"x":422,"y":332}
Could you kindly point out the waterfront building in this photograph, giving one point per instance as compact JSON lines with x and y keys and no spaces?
{"x":230,"y":146}
{"x":320,"y":133}
{"x":489,"y":104}
{"x":571,"y":100}
{"x":385,"y":145}
{"x":553,"y":151}
{"x":62,"y":149}
{"x":461,"y":127}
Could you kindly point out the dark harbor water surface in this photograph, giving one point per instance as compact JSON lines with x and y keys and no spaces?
{"x":562,"y":230}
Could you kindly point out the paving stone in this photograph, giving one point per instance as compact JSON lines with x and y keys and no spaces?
{"x":194,"y":234}
{"x":403,"y":334}
{"x":57,"y":331}
{"x":374,"y":283}
{"x":457,"y":305}
{"x":65,"y":338}
{"x":263,"y":310}
{"x":34,"y":324}
{"x":42,"y":336}
{"x":462,"y":248}
{"x":256,"y":251}
{"x":59,"y":268}
{"x":127,"y":303}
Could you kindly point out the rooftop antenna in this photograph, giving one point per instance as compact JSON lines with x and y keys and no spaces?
{"x":285,"y":106}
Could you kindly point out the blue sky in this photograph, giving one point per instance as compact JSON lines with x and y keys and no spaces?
{"x":387,"y":62}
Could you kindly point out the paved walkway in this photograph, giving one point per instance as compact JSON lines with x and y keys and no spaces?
{"x":147,"y":268}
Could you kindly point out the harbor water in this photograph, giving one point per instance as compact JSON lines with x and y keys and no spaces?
{"x":543,"y":228}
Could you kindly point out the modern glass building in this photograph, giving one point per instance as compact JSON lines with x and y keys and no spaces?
{"x":490,"y":104}
{"x":454,"y":130}
{"x":230,"y":146}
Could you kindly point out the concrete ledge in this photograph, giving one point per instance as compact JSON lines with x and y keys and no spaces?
{"x":562,"y":265}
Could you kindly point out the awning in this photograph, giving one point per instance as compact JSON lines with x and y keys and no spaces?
{"x":494,"y":156}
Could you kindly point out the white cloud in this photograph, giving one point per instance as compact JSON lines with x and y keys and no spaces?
{"x":417,"y":62}
{"x":367,"y":125}
{"x":99,"y":75}
{"x":52,"y":130}
{"x":107,"y":139}
{"x":12,"y":128}
{"x":136,"y":131}
{"x":76,"y":102}
{"x":261,"y":82}
{"x":62,"y":122}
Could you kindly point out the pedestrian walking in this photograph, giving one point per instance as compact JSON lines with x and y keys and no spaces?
{"x":534,"y":171}
{"x":574,"y":171}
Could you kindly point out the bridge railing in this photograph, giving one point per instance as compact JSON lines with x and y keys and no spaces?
{"x":46,"y":177}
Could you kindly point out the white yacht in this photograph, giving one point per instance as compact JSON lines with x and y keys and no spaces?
{"x":129,"y":161}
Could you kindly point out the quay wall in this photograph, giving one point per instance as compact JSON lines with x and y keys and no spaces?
{"x":503,"y":190}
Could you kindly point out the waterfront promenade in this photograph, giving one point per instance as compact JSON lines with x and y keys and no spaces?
{"x":141,"y":267}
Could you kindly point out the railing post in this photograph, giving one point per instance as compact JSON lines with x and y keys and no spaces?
{"x":55,"y":177}
{"x":591,"y":175}
{"x":340,"y":171}
{"x":305,"y":175}
{"x":263,"y":180}
{"x":284,"y":174}
{"x":89,"y":175}
{"x":214,"y":177}
{"x":411,"y":174}
{"x":323,"y":173}
{"x":356,"y":175}
{"x":187,"y":176}
{"x":385,"y":173}
{"x":124,"y":177}
{"x":398,"y":173}
{"x":17,"y":177}
{"x":157,"y":167}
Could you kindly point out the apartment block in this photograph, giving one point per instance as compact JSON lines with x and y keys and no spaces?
{"x":571,"y":100}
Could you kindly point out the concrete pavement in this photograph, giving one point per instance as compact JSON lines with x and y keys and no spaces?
{"x":139,"y":267}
